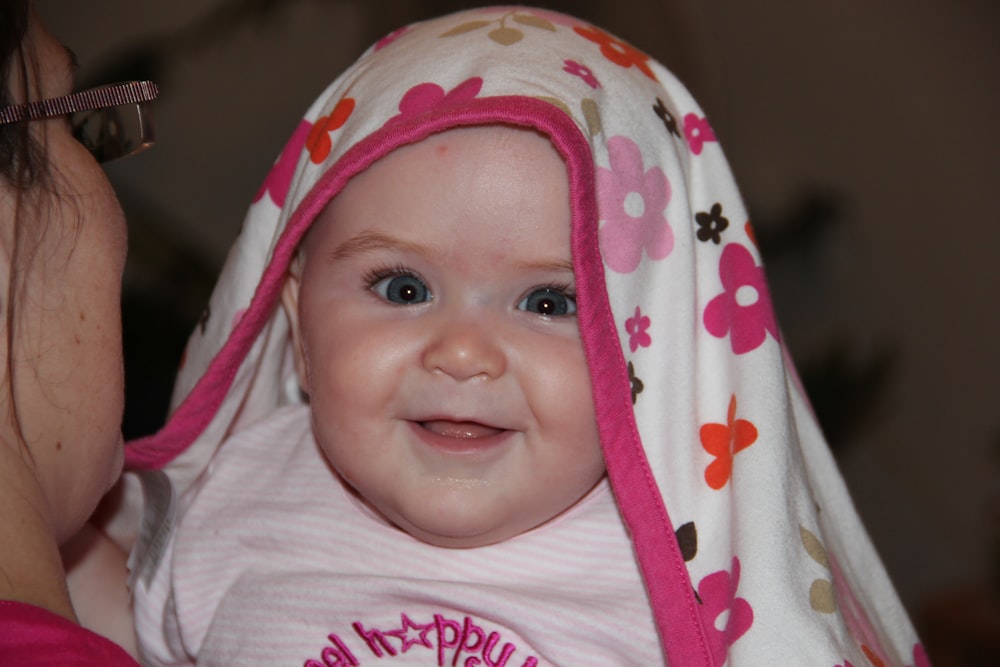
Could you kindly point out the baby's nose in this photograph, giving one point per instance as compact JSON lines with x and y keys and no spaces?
{"x":466,"y":348}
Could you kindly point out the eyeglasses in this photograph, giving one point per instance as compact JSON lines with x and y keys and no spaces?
{"x":110,"y":121}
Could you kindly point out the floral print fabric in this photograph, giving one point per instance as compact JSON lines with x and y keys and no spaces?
{"x":702,"y":422}
{"x":633,"y":201}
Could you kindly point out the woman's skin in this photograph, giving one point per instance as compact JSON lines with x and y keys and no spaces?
{"x":60,"y":434}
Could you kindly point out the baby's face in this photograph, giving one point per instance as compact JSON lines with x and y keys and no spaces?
{"x":435,"y":333}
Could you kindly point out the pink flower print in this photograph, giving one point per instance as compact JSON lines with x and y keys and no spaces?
{"x":426,"y":97}
{"x":920,"y":658}
{"x":391,"y":37}
{"x":582,"y":71}
{"x":717,"y":592}
{"x":636,"y":327}
{"x":632,"y":203}
{"x":744,"y":309}
{"x":280,"y":177}
{"x":698,"y":131}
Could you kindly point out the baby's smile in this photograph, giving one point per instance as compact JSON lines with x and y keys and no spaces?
{"x":459,"y":429}
{"x":459,"y":436}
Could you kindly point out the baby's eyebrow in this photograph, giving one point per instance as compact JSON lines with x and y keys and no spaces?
{"x":368,"y":241}
{"x":557,"y":266}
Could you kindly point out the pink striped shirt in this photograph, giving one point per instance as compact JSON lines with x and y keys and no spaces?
{"x":276,"y":562}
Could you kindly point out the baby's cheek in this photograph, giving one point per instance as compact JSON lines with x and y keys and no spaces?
{"x":588,"y":454}
{"x":334,"y":447}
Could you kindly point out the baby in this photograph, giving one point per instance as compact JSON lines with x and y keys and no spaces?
{"x":523,"y":400}
{"x":434,"y":326}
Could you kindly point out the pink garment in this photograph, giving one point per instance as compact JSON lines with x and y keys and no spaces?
{"x":277,"y":563}
{"x":31,"y":636}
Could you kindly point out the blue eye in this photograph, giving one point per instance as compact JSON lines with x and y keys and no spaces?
{"x":404,"y":289}
{"x":548,"y":301}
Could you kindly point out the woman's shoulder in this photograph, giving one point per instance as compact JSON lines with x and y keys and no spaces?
{"x":31,"y":636}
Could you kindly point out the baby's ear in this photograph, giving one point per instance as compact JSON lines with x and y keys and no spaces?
{"x":290,"y":302}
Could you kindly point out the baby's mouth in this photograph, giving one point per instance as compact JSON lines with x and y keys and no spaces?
{"x":459,"y":429}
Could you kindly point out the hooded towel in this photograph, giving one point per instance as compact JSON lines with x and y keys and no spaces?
{"x":748,"y":545}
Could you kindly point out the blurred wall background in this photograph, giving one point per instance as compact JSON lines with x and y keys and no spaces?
{"x":864,"y":135}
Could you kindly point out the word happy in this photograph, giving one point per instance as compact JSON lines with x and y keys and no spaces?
{"x":445,"y":641}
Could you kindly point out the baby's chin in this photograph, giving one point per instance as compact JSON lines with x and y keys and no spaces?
{"x":454,"y":533}
{"x":457,"y":534}
{"x":454,"y":540}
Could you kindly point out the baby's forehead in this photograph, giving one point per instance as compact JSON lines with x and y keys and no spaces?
{"x":465,"y":177}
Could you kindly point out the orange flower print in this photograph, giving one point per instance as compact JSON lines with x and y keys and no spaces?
{"x":748,"y":228}
{"x":318,"y":142}
{"x":723,"y":441}
{"x":617,"y":51}
{"x":872,"y":658}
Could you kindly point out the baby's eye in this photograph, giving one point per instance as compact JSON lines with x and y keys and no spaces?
{"x":548,"y":301}
{"x":405,"y":289}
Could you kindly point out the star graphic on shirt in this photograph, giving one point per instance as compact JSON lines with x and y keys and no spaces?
{"x":403,"y":634}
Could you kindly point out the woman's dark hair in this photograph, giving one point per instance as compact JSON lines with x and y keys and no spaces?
{"x":24,"y":166}
{"x":20,"y":156}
